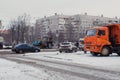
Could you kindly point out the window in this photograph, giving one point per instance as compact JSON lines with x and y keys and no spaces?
{"x":91,"y":32}
{"x":101,"y":32}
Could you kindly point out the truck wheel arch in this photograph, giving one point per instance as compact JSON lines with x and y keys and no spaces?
{"x":107,"y":48}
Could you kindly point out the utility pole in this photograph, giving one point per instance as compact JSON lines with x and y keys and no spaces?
{"x":18,"y":34}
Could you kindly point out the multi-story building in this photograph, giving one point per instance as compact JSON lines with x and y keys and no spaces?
{"x":0,"y":23}
{"x":64,"y":27}
{"x":51,"y":26}
{"x":1,"y":27}
{"x":84,"y":22}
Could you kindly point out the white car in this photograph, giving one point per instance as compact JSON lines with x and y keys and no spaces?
{"x":67,"y":47}
{"x":7,"y":46}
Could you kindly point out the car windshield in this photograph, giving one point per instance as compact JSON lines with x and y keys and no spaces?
{"x":91,"y":32}
{"x":6,"y":44}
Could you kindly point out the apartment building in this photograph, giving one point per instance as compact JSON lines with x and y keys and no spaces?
{"x":1,"y":27}
{"x":71,"y":28}
{"x":87,"y":21}
{"x":51,"y":26}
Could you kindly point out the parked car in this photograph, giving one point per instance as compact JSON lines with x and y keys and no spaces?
{"x":21,"y":48}
{"x":67,"y":47}
{"x":7,"y":46}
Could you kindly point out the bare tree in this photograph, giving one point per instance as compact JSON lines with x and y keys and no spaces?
{"x":20,"y":28}
{"x":69,"y":30}
{"x":23,"y":26}
{"x":38,"y":28}
{"x":13,"y":31}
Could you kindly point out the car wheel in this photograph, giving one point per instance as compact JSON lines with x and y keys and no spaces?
{"x":60,"y":51}
{"x":36,"y":50}
{"x":85,"y":52}
{"x":70,"y":51}
{"x":17,"y":51}
{"x":118,"y":53}
{"x":66,"y":51}
{"x":75,"y":50}
{"x":106,"y":51}
{"x":21,"y":51}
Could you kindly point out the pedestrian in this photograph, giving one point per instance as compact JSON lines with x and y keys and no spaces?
{"x":13,"y":44}
{"x":77,"y":44}
{"x":58,"y":45}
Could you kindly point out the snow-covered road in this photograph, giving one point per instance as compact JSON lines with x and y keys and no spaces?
{"x":59,"y":66}
{"x":15,"y":71}
{"x":110,"y":63}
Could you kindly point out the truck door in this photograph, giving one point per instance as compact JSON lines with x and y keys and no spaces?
{"x":90,"y":39}
{"x":102,"y":34}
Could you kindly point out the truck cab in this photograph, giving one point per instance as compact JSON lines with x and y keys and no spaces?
{"x":102,"y":40}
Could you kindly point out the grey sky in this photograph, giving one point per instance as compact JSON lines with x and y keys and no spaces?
{"x":9,"y":9}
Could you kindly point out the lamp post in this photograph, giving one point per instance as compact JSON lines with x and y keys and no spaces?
{"x":57,"y":36}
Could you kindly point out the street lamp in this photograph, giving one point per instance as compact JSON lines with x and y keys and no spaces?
{"x":57,"y":36}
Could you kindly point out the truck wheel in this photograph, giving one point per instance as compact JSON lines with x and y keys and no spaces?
{"x":94,"y":54}
{"x":85,"y":52}
{"x":118,"y":53}
{"x":106,"y":51}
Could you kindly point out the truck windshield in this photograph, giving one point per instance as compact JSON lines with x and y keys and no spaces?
{"x":91,"y":32}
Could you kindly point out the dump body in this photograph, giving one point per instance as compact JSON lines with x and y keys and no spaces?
{"x":114,"y":32}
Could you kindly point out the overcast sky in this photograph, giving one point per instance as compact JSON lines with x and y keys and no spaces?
{"x":9,"y":9}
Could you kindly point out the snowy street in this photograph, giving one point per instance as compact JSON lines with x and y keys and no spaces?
{"x":58,"y":66}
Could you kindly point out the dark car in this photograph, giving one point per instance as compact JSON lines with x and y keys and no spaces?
{"x":21,"y":48}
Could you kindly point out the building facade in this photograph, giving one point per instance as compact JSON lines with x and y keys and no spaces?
{"x":53,"y":26}
{"x":86,"y":22}
{"x":70,"y":28}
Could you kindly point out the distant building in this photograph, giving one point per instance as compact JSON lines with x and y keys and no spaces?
{"x":84,"y":22}
{"x":71,"y":28}
{"x":4,"y":31}
{"x":1,"y":26}
{"x":0,"y":23}
{"x":52,"y":24}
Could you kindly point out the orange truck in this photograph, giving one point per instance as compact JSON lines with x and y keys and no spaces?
{"x":103,"y":40}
